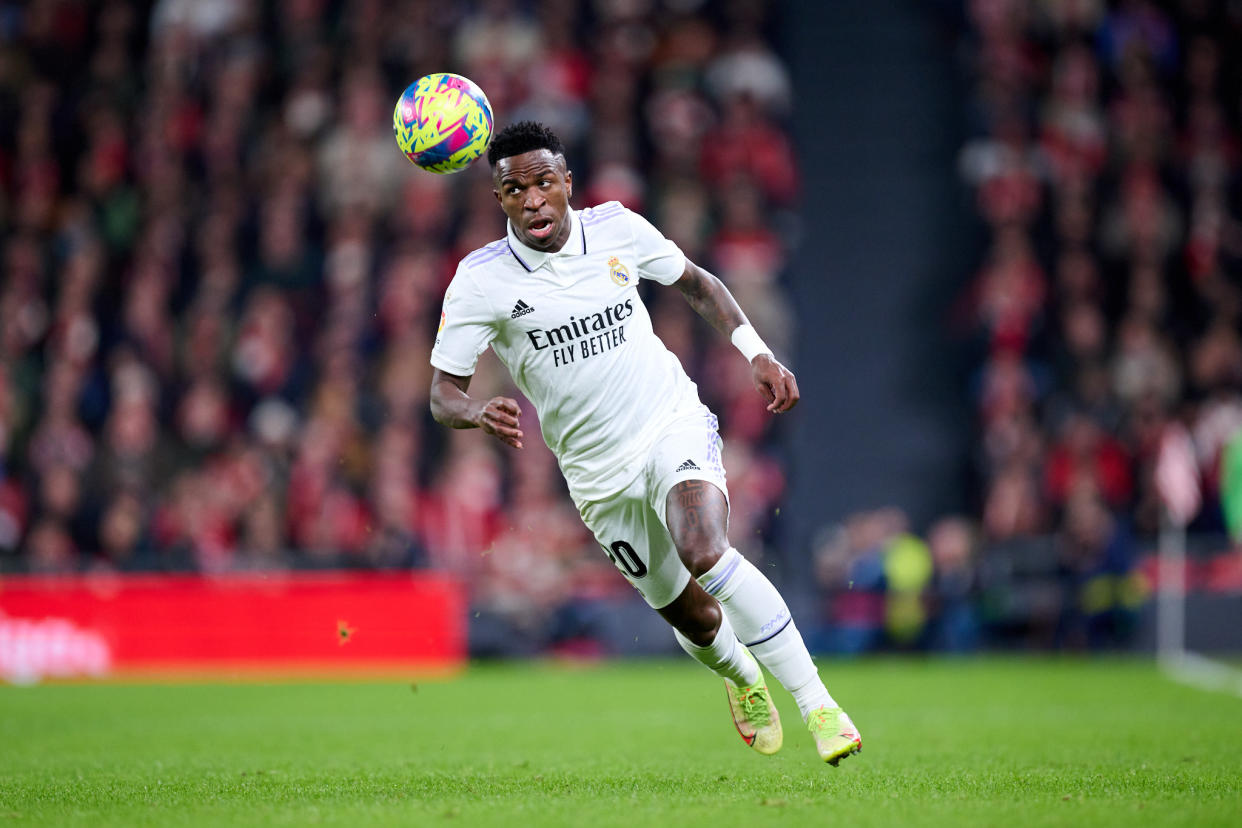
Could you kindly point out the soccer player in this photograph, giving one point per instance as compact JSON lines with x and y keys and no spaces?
{"x":557,"y":300}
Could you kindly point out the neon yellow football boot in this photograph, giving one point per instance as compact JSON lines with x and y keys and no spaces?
{"x":755,"y":716}
{"x":835,"y":735}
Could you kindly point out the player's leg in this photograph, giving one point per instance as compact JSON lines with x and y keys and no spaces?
{"x":697,"y":516}
{"x":634,"y":536}
{"x":639,"y":546}
{"x":754,"y":714}
{"x":705,"y":633}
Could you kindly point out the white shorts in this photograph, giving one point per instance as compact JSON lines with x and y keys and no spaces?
{"x":632,"y":524}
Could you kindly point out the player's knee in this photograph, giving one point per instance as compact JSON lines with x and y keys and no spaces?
{"x":701,"y":623}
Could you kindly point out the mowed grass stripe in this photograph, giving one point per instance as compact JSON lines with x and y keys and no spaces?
{"x":975,"y":742}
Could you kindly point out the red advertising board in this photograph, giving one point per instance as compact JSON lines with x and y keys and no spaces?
{"x":261,"y":625}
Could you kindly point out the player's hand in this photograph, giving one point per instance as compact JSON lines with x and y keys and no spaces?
{"x":775,"y":383}
{"x":501,"y":418}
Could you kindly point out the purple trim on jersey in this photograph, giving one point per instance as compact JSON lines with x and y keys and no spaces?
{"x":594,"y":216}
{"x":599,"y":209}
{"x":720,"y":580}
{"x":597,"y":213}
{"x":582,"y":228}
{"x":529,"y":269}
{"x":486,"y":253}
{"x":714,"y":444}
{"x":484,"y":259}
{"x":491,"y":247}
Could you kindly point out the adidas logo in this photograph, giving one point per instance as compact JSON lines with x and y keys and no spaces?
{"x":687,"y":466}
{"x":521,"y":309}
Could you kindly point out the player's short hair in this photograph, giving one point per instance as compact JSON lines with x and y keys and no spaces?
{"x":524,"y":136}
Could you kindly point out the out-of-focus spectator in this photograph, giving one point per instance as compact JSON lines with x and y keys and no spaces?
{"x":50,"y":549}
{"x":852,"y":564}
{"x":1084,"y":454}
{"x":1102,"y":591}
{"x":124,"y":542}
{"x":884,"y":587}
{"x":953,"y":611}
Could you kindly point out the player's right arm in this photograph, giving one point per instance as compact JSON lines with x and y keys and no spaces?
{"x":467,"y":327}
{"x":453,"y":407}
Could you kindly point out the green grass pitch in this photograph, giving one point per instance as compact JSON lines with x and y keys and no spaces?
{"x":1009,"y":742}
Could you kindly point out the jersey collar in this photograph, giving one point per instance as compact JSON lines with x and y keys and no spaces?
{"x":532,"y":259}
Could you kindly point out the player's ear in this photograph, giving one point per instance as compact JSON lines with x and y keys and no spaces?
{"x":569,"y":184}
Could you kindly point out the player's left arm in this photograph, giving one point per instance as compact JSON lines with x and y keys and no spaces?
{"x":713,"y":301}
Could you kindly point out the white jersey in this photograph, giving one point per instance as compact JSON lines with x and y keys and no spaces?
{"x":578,"y":341}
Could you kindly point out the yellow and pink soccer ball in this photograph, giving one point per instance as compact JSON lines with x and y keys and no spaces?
{"x":443,"y":122}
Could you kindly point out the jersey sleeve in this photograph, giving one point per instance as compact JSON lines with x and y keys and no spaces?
{"x":658,"y":258}
{"x":467,"y":327}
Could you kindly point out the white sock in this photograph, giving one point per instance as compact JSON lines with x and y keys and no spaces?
{"x":725,"y":656}
{"x":762,"y":621}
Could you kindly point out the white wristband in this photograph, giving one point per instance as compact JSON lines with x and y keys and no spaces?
{"x":746,"y":340}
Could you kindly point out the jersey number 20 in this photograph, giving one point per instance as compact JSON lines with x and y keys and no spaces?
{"x":626,"y":559}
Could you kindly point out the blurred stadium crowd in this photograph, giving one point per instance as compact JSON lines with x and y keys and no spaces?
{"x":1104,"y":163}
{"x":1102,"y":160}
{"x":220,"y":280}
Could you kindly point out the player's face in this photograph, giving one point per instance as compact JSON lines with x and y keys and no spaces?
{"x":534,"y":189}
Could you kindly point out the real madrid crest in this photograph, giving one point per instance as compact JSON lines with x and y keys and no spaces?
{"x":619,"y":272}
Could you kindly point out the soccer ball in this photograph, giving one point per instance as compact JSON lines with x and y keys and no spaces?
{"x":443,"y":122}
